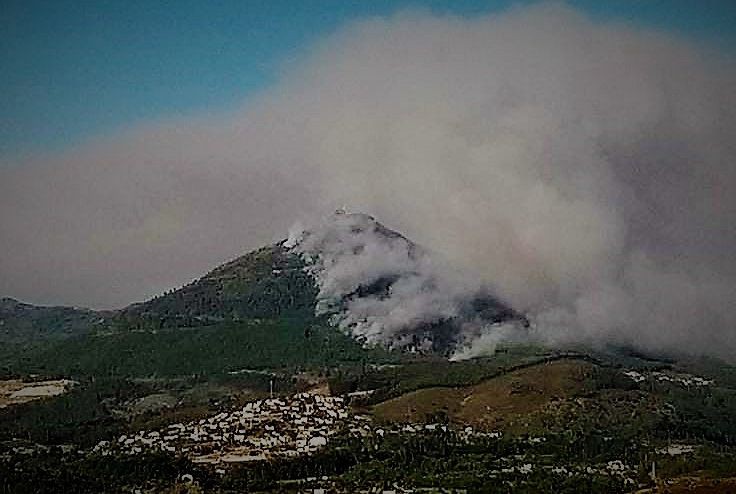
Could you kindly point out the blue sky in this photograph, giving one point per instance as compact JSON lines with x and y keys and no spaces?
{"x":74,"y":70}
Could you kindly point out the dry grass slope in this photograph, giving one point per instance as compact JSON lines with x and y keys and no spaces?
{"x":700,"y":485}
{"x":497,"y":403}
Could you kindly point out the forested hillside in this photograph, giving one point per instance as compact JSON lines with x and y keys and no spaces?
{"x":23,"y":322}
{"x":266,"y":283}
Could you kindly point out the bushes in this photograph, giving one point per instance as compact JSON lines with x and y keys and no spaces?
{"x":56,"y":472}
{"x":80,"y":416}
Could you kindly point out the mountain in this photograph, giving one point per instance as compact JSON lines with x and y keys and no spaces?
{"x":370,"y":281}
{"x":20,"y":321}
{"x":340,"y":292}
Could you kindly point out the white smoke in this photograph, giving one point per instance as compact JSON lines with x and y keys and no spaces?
{"x":585,"y":170}
{"x":404,"y":288}
{"x":485,"y":340}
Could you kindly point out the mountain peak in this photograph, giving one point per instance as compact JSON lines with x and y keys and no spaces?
{"x":343,"y":224}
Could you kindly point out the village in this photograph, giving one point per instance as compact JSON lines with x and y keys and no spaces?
{"x":299,"y":425}
{"x":263,"y":429}
{"x":680,"y":379}
{"x":304,"y":423}
{"x":287,"y":426}
{"x":290,"y":427}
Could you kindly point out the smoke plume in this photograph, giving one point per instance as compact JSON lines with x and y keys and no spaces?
{"x":383,"y":289}
{"x":584,"y":170}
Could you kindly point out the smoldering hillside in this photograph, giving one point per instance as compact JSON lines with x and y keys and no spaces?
{"x":383,"y":289}
{"x":583,"y":170}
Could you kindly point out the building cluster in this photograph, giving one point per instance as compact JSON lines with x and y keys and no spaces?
{"x":291,"y":426}
{"x":676,"y":449}
{"x":686,"y":380}
{"x":278,"y":427}
{"x":613,"y":468}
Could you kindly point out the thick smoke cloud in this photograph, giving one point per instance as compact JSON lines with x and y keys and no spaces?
{"x":380,"y":287}
{"x":585,"y":170}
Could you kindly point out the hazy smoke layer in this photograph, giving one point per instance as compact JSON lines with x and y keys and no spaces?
{"x":586,"y":171}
